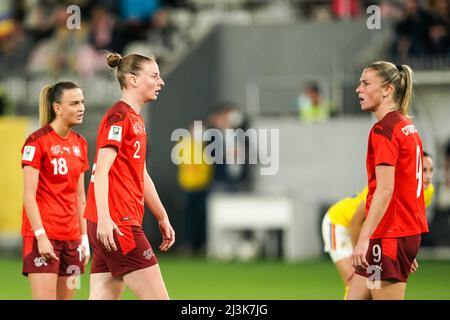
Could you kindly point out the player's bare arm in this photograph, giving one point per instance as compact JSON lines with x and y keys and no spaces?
{"x":385,"y":176}
{"x":106,"y":226}
{"x":157,"y":208}
{"x":31,"y":178}
{"x":357,"y":222}
{"x":81,"y":203}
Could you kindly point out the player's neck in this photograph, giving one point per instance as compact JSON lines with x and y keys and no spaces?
{"x":383,"y":110}
{"x":60,"y":128}
{"x":135,"y":103}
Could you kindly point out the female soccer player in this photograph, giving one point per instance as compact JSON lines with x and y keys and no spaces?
{"x":54,"y":159}
{"x":390,"y":237}
{"x":119,"y":186}
{"x":343,"y":221}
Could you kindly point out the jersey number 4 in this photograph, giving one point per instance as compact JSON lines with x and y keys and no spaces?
{"x":59,"y":166}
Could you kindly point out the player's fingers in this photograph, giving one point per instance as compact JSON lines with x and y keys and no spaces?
{"x":112,"y":243}
{"x":364,"y":262}
{"x":116,"y":228}
{"x":105,"y":242}
{"x":52,"y":255}
{"x":163,"y":246}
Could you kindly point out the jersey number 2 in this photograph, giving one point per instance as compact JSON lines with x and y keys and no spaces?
{"x":419,"y":171}
{"x":137,"y":145}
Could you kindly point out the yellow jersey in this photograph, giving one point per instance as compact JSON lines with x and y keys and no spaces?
{"x":193,"y":176}
{"x":343,"y":211}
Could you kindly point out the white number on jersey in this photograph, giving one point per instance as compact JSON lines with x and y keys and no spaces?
{"x":376,"y":252}
{"x":419,"y":171}
{"x":59,"y":166}
{"x":137,"y":145}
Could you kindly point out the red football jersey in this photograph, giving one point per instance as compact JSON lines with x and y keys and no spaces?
{"x":394,"y":141}
{"x":124,"y":129}
{"x":60,"y":162}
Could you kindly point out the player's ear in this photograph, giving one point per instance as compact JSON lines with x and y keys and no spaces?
{"x":132,"y":80}
{"x":57,"y":108}
{"x":388,"y":90}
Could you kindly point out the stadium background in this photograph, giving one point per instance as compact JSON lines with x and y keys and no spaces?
{"x":257,"y":55}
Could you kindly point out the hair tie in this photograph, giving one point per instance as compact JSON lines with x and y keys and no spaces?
{"x":399,"y":67}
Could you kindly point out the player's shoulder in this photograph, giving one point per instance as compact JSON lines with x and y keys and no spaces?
{"x":117,"y":113}
{"x":38,"y":134}
{"x":78,"y":136}
{"x":390,"y":124}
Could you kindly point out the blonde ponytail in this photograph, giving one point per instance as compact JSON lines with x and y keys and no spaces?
{"x":405,"y":102}
{"x":46,"y":112}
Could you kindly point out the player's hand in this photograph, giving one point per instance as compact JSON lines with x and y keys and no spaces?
{"x":45,"y":248}
{"x":85,"y":250}
{"x":359,"y":261}
{"x":167,"y":233}
{"x":105,"y":233}
{"x":414,"y":266}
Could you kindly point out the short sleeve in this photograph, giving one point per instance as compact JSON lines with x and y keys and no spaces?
{"x":386,"y":147}
{"x":32,"y":154}
{"x":113,"y":132}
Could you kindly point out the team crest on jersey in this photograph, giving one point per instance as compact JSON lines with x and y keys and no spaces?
{"x":28,"y":153}
{"x":115,"y":133}
{"x":148,"y":254}
{"x":76,"y":151}
{"x":39,"y":262}
{"x":56,"y":149}
{"x":138,"y":128}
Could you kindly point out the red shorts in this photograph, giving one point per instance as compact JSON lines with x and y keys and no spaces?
{"x":392,"y":256}
{"x":70,"y":260}
{"x":134,"y":252}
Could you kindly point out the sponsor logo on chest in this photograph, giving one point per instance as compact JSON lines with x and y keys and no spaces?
{"x":59,"y":150}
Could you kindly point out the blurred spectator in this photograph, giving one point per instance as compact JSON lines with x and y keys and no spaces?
{"x":438,"y":42}
{"x":345,"y":9}
{"x":58,"y":54}
{"x":91,"y":57}
{"x":447,"y":165}
{"x":229,"y":175}
{"x":423,"y":30}
{"x":411,"y":30}
{"x":194,"y":180}
{"x":138,"y":9}
{"x":438,"y":28}
{"x":312,"y":107}
{"x":444,"y":192}
{"x":15,"y":46}
{"x":163,"y":36}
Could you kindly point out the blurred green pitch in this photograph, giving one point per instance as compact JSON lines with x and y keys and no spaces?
{"x":188,"y":278}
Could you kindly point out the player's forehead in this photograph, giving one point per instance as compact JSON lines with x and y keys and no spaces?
{"x":427,"y":162}
{"x":369,"y":75}
{"x":74,"y":94}
{"x":151,"y":68}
